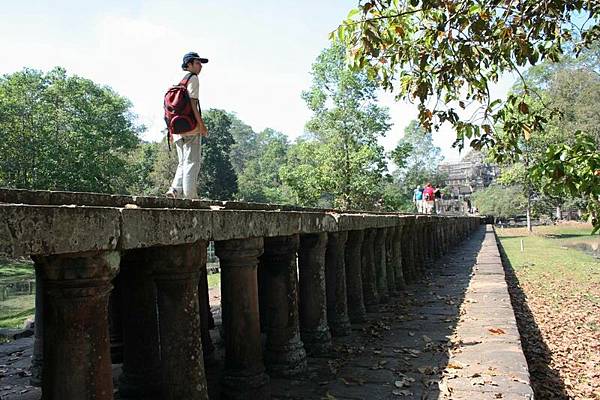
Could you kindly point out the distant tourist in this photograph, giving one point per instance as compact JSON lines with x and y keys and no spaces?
{"x":418,"y":198}
{"x":186,"y":126}
{"x":437,"y":197}
{"x":428,"y":198}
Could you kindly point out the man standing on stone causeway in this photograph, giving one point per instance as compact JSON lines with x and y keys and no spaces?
{"x":186,"y":126}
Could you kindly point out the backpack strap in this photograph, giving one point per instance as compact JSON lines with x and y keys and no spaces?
{"x":186,"y":80}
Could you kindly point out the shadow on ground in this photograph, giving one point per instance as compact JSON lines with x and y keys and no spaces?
{"x":400,"y":352}
{"x":545,"y":381}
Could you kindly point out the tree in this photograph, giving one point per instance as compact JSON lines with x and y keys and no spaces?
{"x":217,"y":177}
{"x":445,"y":54}
{"x":259,"y":180}
{"x":306,"y":173}
{"x":246,"y":145}
{"x":163,"y":168}
{"x":140,"y":165}
{"x":64,"y":133}
{"x":344,"y":130}
{"x":417,"y":159}
{"x":500,"y":201}
{"x":572,"y":88}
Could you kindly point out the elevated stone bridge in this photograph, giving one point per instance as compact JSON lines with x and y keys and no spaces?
{"x":144,"y":259}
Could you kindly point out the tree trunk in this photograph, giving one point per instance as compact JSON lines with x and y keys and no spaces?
{"x":529,"y":229}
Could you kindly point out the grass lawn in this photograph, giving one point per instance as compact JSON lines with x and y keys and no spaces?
{"x":14,"y":310}
{"x":15,"y":270}
{"x":214,"y":280}
{"x":561,"y":291}
{"x":547,"y":256}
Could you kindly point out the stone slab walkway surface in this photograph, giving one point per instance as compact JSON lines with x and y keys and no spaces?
{"x":451,"y":336}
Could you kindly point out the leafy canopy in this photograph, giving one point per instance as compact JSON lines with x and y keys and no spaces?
{"x":446,"y":53}
{"x":341,"y":158}
{"x":218,"y":179}
{"x":500,"y":201}
{"x":64,"y":133}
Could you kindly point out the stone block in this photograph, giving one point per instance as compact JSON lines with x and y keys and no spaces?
{"x":159,"y":227}
{"x":44,"y":230}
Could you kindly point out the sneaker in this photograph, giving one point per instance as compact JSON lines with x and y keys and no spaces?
{"x":172,"y":193}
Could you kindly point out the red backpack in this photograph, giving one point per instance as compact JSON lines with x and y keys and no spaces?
{"x":179,"y":115}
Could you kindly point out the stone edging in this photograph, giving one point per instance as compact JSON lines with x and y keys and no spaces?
{"x":488,"y":360}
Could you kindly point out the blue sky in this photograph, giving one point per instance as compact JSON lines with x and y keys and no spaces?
{"x":260,"y":54}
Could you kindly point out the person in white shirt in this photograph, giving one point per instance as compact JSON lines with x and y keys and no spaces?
{"x":188,"y":144}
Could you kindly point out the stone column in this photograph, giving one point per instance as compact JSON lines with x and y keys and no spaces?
{"x":263,"y":306}
{"x":425,"y":246}
{"x":446,"y":236}
{"x":396,"y":243}
{"x":244,"y":375}
{"x":313,"y":297}
{"x":37,"y":359}
{"x":418,"y":248}
{"x":285,"y":355}
{"x":389,"y":260}
{"x":176,"y":271}
{"x":428,"y":244}
{"x":335,"y":277}
{"x":115,"y":322}
{"x":381,"y":264}
{"x":77,"y":352}
{"x":408,"y":251}
{"x":141,"y":357}
{"x":440,"y":235}
{"x":356,"y":305}
{"x":435,"y":237}
{"x":208,"y":348}
{"x":369,"y":275}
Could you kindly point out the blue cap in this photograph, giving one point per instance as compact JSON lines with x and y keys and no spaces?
{"x":192,"y":56}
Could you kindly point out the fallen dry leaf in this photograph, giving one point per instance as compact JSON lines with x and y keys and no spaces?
{"x":456,"y":365}
{"x":397,"y":392}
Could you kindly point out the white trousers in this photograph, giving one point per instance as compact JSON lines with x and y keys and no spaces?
{"x":189,"y":153}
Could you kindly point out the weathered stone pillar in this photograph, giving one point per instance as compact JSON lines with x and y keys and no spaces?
{"x":313,"y":297}
{"x":435,"y":229}
{"x":208,"y":348}
{"x":369,"y":274}
{"x":389,"y":260}
{"x":396,"y":243}
{"x":408,"y":250}
{"x":441,"y":230}
{"x":285,"y":355}
{"x":115,"y":321}
{"x":176,"y":271}
{"x":263,"y":304}
{"x":418,"y":244}
{"x":244,"y":374}
{"x":356,"y":305}
{"x":436,"y":239}
{"x":141,"y":357}
{"x":37,"y":360}
{"x":448,"y":235}
{"x":379,"y":250}
{"x":440,"y":235}
{"x":428,"y":244}
{"x":77,"y":362}
{"x":335,"y":277}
